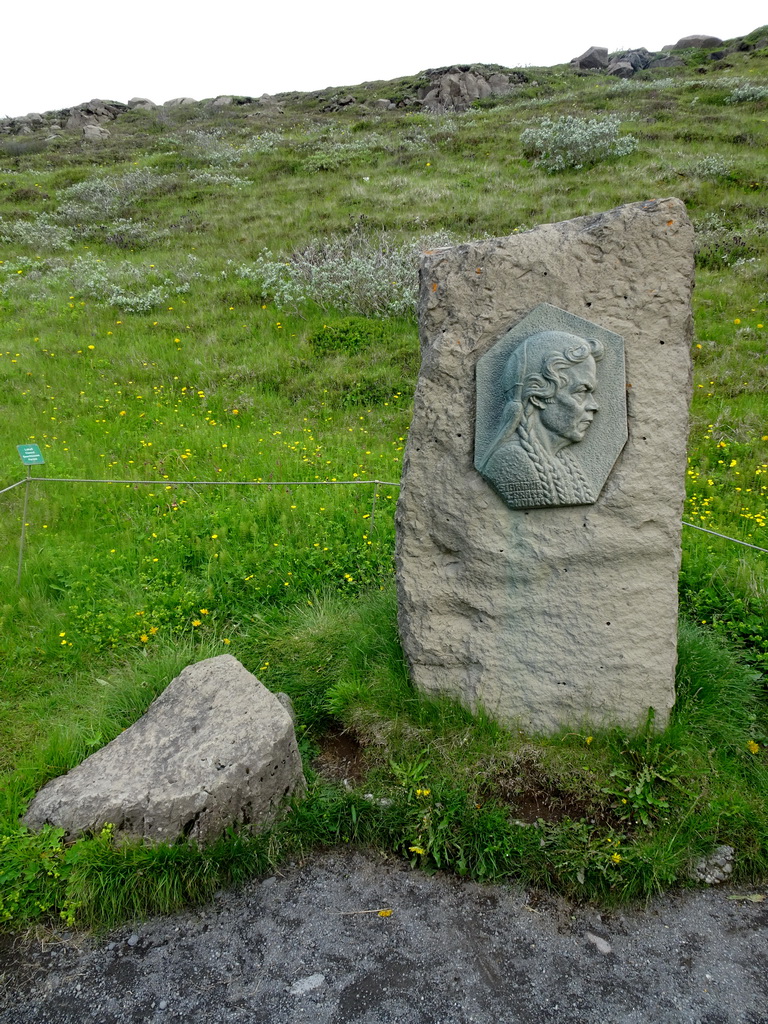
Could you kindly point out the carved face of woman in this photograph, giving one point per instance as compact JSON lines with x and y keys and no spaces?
{"x":570,"y":412}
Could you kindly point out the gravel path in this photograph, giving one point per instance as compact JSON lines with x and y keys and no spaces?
{"x":303,"y":946}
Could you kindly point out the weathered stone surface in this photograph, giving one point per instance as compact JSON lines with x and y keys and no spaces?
{"x":215,"y":749}
{"x":716,"y":868}
{"x":456,"y":88}
{"x":595,"y":58}
{"x":550,"y":616}
{"x":95,"y":133}
{"x":180,"y":101}
{"x":141,"y":103}
{"x":625,"y":64}
{"x":666,"y":62}
{"x":695,"y":42}
{"x":621,"y":69}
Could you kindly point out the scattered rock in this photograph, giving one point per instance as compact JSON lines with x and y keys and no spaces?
{"x":180,"y":101}
{"x":214,"y":750}
{"x":141,"y":103}
{"x":133,"y":939}
{"x":667,"y":61}
{"x":621,"y":69}
{"x":456,"y":88}
{"x":595,"y":58}
{"x":304,"y":985}
{"x":625,"y":64}
{"x":95,"y":133}
{"x":695,"y":43}
{"x":600,"y":944}
{"x":715,"y":868}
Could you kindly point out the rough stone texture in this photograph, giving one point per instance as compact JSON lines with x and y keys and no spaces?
{"x":716,"y":868}
{"x":621,"y":69}
{"x":551,"y":616}
{"x":695,"y":42}
{"x":180,"y":101}
{"x":667,"y":61}
{"x":595,"y":58}
{"x":215,"y":749}
{"x":624,"y":65}
{"x":95,"y":133}
{"x":456,"y":88}
{"x":141,"y":103}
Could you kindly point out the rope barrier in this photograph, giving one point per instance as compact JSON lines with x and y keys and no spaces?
{"x":280,"y":483}
{"x":734,"y":539}
{"x":11,"y":486}
{"x":203,"y":483}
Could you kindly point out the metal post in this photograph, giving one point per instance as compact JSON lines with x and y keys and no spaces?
{"x":23,"y":526}
{"x":373,"y":504}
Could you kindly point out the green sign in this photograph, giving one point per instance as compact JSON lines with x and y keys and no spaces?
{"x":30,"y":454}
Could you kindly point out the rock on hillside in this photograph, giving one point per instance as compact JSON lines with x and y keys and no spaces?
{"x":449,"y":89}
{"x":456,"y":88}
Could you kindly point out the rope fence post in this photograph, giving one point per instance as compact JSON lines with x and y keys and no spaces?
{"x":373,"y":504}
{"x":23,"y":526}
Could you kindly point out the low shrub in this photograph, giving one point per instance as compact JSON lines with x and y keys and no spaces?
{"x":370,"y":275}
{"x":748,"y":93}
{"x":712,"y":168}
{"x":40,"y":233}
{"x":575,"y":142}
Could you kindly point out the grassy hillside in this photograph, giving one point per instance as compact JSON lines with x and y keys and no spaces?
{"x":227,"y":294}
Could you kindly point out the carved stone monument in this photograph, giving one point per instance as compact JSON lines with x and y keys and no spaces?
{"x":540,"y":512}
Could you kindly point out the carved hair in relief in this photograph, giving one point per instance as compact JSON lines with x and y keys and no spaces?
{"x":549,"y":385}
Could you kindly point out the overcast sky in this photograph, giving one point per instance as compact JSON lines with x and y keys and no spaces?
{"x":58,"y":54}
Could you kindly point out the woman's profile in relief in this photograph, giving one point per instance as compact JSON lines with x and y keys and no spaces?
{"x":549,"y":389}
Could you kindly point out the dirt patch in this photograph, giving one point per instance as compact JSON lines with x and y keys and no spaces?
{"x":534,"y":790}
{"x":341,"y":758}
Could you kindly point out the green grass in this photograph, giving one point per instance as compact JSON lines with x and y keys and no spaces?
{"x":139,"y":351}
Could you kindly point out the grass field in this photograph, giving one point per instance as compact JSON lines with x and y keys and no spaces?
{"x":227,"y":295}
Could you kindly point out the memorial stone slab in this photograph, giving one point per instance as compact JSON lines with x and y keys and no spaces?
{"x":548,"y":594}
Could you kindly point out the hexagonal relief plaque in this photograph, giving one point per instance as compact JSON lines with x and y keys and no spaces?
{"x":551,"y":410}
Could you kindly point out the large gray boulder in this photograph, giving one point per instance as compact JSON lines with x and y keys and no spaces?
{"x":550,"y":613}
{"x":180,"y":101}
{"x":141,"y":103}
{"x":456,"y":88}
{"x":95,"y":133}
{"x":214,"y":750}
{"x":696,"y":42}
{"x":456,"y":91}
{"x":593,"y":59}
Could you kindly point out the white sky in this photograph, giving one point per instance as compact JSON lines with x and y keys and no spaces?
{"x":58,"y":54}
